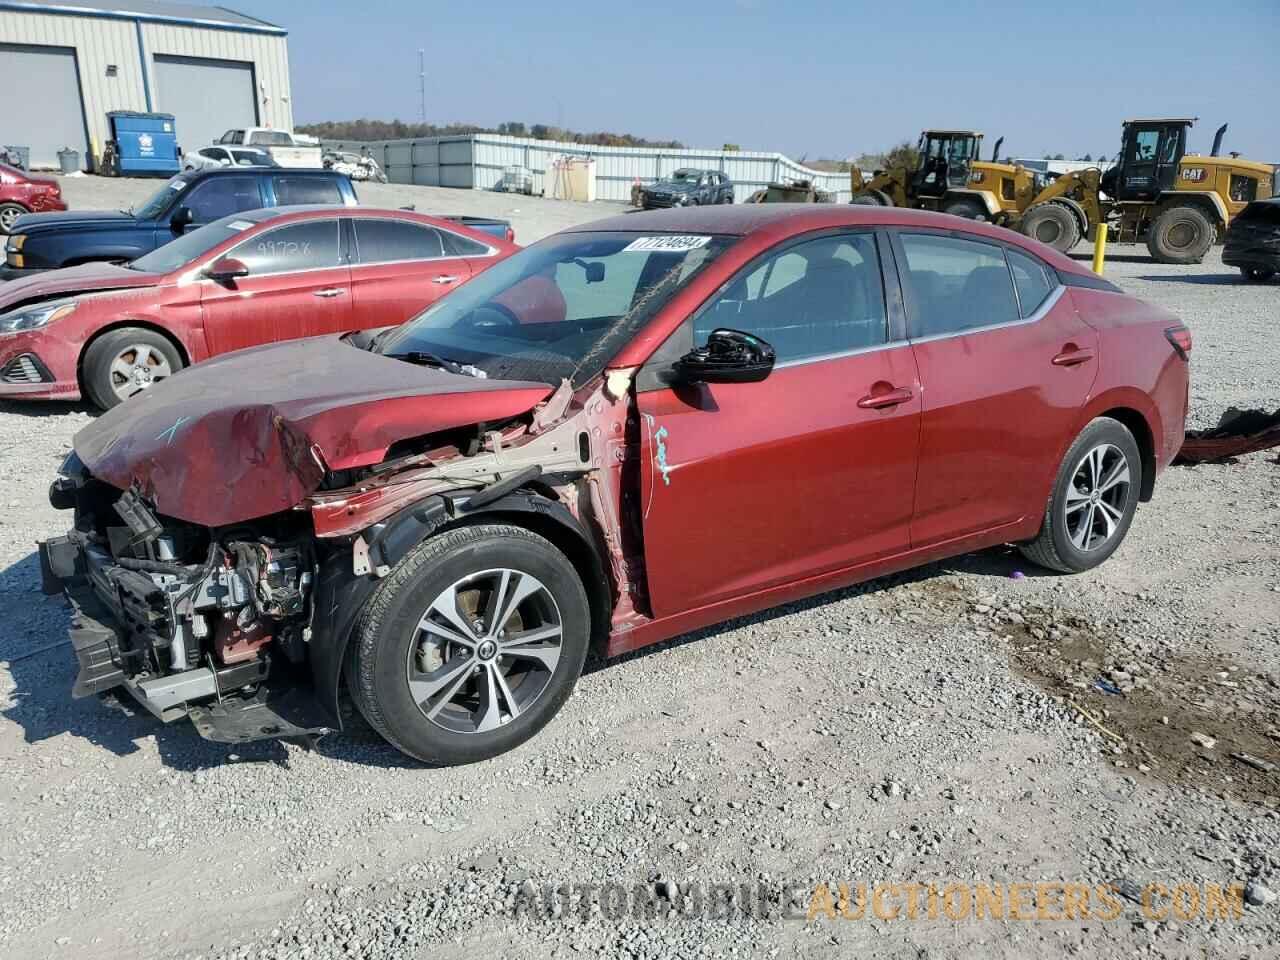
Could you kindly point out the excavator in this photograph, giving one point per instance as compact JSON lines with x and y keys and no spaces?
{"x":1178,"y":203}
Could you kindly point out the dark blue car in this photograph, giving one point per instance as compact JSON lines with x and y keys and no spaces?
{"x":44,"y":241}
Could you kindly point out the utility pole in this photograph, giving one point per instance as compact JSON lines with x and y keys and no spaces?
{"x":422,"y":81}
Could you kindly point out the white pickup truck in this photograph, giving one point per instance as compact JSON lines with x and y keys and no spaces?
{"x":286,"y":149}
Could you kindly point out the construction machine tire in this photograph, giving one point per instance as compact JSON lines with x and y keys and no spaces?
{"x":1053,"y":224}
{"x":872,"y":198}
{"x":966,"y":207}
{"x":1181,"y":234}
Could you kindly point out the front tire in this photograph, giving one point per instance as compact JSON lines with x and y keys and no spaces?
{"x":1093,"y":501}
{"x":471,"y":645}
{"x":124,"y":362}
{"x":1052,"y":224}
{"x":9,"y":214}
{"x":966,"y":207}
{"x":1180,"y":235}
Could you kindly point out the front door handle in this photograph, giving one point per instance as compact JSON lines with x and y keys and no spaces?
{"x":444,"y":279}
{"x":329,"y":292}
{"x":1072,"y":355}
{"x":890,"y":398}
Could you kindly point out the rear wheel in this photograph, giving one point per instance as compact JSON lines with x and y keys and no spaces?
{"x":1093,"y":501}
{"x":9,"y":214}
{"x":125,"y":362}
{"x":1052,"y":224}
{"x":1180,"y":235}
{"x":472,"y":645}
{"x":966,"y":207}
{"x":1257,"y":274}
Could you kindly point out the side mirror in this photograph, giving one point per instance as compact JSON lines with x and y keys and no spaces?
{"x":226,"y":269}
{"x":730,"y":356}
{"x":181,"y":219}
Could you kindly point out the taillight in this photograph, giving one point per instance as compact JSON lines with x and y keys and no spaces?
{"x":1179,"y":338}
{"x":511,"y":235}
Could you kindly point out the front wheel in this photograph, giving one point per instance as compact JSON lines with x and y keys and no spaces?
{"x":9,"y":214}
{"x":966,"y":207}
{"x":1052,"y":224}
{"x":125,"y":362}
{"x":1093,"y":501}
{"x":471,"y":645}
{"x":1180,"y":235}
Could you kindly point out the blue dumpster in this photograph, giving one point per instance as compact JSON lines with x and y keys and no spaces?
{"x":142,"y":144}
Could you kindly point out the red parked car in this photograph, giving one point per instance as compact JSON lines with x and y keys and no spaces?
{"x":20,"y":193}
{"x":109,"y":332}
{"x":627,"y":431}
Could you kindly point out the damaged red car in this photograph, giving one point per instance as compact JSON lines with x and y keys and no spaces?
{"x":627,"y":431}
{"x":110,"y":332}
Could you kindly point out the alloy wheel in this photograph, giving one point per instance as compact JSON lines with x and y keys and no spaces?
{"x":136,"y":368}
{"x":8,"y":217}
{"x":1097,"y":497}
{"x":484,"y":651}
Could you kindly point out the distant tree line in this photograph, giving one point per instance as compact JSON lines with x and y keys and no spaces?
{"x":363,"y":129}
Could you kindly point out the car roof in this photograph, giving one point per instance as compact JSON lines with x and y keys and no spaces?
{"x":193,"y":175}
{"x":306,"y":211}
{"x":790,"y":219}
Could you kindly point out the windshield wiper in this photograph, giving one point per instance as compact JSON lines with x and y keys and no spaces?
{"x":425,"y":359}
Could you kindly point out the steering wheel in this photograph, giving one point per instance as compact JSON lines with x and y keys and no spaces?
{"x":491,"y":318}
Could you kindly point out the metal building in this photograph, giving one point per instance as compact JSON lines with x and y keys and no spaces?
{"x":65,"y":65}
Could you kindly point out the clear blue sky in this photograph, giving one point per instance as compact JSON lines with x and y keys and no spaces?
{"x":821,"y":77}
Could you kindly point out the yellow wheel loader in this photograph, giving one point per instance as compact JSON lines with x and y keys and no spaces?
{"x":952,"y":178}
{"x":1178,"y":203}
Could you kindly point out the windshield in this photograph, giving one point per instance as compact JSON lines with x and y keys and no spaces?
{"x":681,"y":176}
{"x":178,"y":253}
{"x":159,"y":200}
{"x":559,"y":309}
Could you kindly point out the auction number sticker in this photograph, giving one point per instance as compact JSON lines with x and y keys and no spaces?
{"x":666,"y":244}
{"x":239,"y":225}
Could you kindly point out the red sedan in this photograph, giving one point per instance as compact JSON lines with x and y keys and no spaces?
{"x":624,"y":432}
{"x":109,"y":332}
{"x":20,"y":193}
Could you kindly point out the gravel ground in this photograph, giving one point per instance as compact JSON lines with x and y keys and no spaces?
{"x":938,"y":727}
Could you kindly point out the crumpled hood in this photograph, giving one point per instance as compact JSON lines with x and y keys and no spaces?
{"x":674,"y":186}
{"x":251,"y":433}
{"x":86,"y":278}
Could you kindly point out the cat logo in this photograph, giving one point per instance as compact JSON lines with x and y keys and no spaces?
{"x":1195,"y":174}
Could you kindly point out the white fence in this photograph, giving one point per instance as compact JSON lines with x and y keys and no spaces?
{"x":476,"y":162}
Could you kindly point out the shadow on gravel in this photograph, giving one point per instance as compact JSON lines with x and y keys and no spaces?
{"x":1114,"y":258}
{"x":39,"y":409}
{"x":1211,"y":279}
{"x":1004,"y":562}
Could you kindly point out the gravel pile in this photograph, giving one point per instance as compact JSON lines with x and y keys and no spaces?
{"x":972,"y":722}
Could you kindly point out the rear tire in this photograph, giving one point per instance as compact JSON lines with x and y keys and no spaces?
{"x":1257,"y":274}
{"x":124,"y":362}
{"x":966,"y":207}
{"x":1180,"y":235}
{"x":407,"y":635}
{"x":1093,"y":500}
{"x":9,"y":214}
{"x":1052,"y":224}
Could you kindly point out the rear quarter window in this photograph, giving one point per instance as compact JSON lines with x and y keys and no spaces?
{"x":296,"y":191}
{"x":956,"y":285}
{"x":1031,"y":280}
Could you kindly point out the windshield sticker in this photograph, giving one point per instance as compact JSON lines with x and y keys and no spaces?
{"x":177,"y":184}
{"x":667,"y":244}
{"x":239,"y":225}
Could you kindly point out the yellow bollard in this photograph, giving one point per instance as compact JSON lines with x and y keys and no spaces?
{"x":1099,"y":248}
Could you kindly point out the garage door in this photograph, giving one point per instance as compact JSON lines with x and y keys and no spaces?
{"x":41,"y":106}
{"x":206,"y":97}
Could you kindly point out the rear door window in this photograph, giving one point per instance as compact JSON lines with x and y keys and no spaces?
{"x":295,"y":191}
{"x":956,"y":285}
{"x":1031,"y":280}
{"x":310,"y":245}
{"x":219,"y":196}
{"x":388,"y":241}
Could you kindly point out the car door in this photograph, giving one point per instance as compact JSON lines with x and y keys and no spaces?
{"x":398,"y":267}
{"x":1006,"y":363}
{"x":298,"y":286}
{"x":752,"y":485}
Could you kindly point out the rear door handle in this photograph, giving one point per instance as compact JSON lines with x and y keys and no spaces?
{"x":444,"y":279}
{"x":330,"y":292}
{"x":877,"y":401}
{"x":1072,"y":356}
